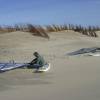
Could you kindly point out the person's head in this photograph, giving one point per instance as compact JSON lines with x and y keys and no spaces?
{"x":36,"y":54}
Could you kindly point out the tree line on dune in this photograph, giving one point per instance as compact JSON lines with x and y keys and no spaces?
{"x":42,"y":31}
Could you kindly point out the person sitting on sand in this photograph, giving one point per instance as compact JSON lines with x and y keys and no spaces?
{"x":37,"y":62}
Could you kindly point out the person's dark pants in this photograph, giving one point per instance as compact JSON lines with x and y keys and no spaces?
{"x":35,"y":66}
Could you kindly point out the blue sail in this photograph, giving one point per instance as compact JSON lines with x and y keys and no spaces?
{"x":9,"y":66}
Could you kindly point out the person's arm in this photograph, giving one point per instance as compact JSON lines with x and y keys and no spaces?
{"x":33,"y":61}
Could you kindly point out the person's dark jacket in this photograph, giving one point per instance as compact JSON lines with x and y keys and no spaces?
{"x":38,"y":60}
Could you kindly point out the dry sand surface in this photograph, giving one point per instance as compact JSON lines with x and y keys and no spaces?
{"x":70,"y":78}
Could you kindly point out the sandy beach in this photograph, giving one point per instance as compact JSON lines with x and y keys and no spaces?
{"x":70,"y":77}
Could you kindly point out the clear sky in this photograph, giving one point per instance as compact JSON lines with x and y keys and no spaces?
{"x":84,"y":12}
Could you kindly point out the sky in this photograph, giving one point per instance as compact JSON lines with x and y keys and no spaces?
{"x":44,"y":12}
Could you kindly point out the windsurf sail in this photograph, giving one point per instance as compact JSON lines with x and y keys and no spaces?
{"x":9,"y":66}
{"x":85,"y":50}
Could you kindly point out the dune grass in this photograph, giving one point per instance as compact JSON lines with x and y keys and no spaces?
{"x":42,"y":31}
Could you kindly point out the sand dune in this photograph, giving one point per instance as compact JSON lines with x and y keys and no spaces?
{"x":70,"y":78}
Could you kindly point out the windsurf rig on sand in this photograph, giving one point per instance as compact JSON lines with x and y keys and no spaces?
{"x":11,"y":65}
{"x":93,"y":51}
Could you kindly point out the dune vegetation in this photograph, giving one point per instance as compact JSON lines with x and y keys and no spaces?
{"x":42,"y":31}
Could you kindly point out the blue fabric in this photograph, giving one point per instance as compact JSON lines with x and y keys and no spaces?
{"x":10,"y":66}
